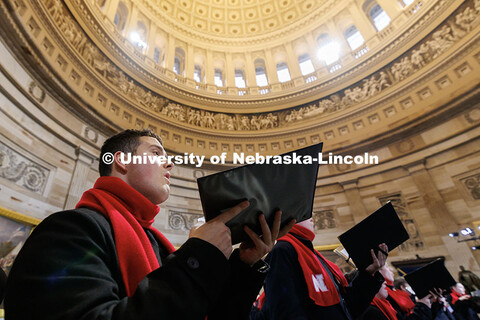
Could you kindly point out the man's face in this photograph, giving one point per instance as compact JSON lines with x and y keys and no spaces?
{"x":151,"y":180}
{"x":307,"y":224}
{"x":459,"y":288}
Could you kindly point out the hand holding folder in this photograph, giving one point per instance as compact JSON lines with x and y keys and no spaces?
{"x":429,"y":277}
{"x":268,"y":188}
{"x":381,"y":227}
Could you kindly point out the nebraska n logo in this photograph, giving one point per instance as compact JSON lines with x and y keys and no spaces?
{"x":319,"y":283}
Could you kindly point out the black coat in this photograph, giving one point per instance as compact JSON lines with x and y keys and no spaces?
{"x":373,"y":313}
{"x":287,"y":293}
{"x":69,"y":269}
{"x":436,"y":312}
{"x":467,"y":309}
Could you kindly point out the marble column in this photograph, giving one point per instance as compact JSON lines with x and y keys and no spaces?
{"x":229,"y":70}
{"x":209,"y":69}
{"x":390,"y":7}
{"x":189,"y":62}
{"x":292,"y":62}
{"x":271,"y":67}
{"x":250,"y":70}
{"x":358,"y":209}
{"x":443,"y":220}
{"x":363,"y":24}
{"x":79,"y":183}
{"x":170,"y":55}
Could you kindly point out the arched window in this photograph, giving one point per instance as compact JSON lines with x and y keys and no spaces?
{"x":159,"y":45}
{"x":261,"y":77}
{"x":198,"y":73}
{"x":218,"y":77}
{"x":328,"y":50}
{"x":139,"y":36}
{"x":239,"y":79}
{"x":354,"y":37}
{"x":260,"y":74}
{"x":121,"y":16}
{"x":305,"y":63}
{"x":379,"y":17}
{"x":156,"y":54}
{"x":282,"y":72}
{"x":177,"y":65}
{"x":179,"y":62}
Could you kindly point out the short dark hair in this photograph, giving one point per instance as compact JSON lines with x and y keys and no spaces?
{"x":126,"y":141}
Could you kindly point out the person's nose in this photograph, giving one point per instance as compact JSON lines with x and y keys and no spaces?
{"x":168,"y":165}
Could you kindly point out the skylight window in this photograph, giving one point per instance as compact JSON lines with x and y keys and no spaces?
{"x":197,"y":73}
{"x":283,"y":73}
{"x":239,"y":79}
{"x":261,"y":77}
{"x":380,"y":17}
{"x":354,"y":37}
{"x":306,"y":65}
{"x":218,"y":78}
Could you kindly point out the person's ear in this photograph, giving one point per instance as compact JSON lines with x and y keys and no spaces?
{"x":118,"y":162}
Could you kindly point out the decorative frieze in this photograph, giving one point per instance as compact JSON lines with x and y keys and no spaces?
{"x":22,"y":171}
{"x":324,"y":219}
{"x":179,"y":220}
{"x":472,"y":185}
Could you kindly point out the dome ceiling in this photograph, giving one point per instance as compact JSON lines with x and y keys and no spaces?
{"x":235,"y":18}
{"x":383,"y":92}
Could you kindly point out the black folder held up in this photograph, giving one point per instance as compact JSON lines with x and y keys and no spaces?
{"x":268,"y":187}
{"x":430,"y":276}
{"x":382,"y":226}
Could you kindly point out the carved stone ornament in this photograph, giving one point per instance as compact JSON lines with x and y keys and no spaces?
{"x":22,"y":171}
{"x":178,"y":220}
{"x":472,"y":184}
{"x":37,"y":92}
{"x":415,"y":242}
{"x":324,"y":219}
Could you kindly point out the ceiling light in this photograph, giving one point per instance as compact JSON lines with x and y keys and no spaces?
{"x":467,"y":232}
{"x":137,"y":40}
{"x":329,"y":52}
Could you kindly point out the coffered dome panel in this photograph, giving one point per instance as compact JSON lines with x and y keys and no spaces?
{"x":240,"y":18}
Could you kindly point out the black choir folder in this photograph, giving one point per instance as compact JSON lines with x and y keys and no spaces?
{"x":382,"y":226}
{"x":430,"y":276}
{"x":268,"y":187}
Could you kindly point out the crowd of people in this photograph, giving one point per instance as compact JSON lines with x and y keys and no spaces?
{"x":302,"y":284}
{"x":104,"y":260}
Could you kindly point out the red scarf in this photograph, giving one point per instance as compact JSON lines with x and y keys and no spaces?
{"x":455,"y":296}
{"x":129,"y":212}
{"x":321,"y":288}
{"x":385,"y":307}
{"x":401,"y":298}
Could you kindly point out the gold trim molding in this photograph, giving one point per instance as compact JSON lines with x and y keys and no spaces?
{"x":19,"y":217}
